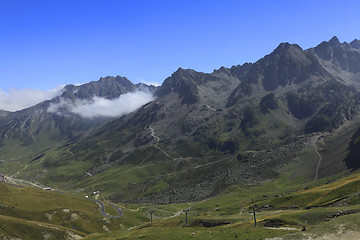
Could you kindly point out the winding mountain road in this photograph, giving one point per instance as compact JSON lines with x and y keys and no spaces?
{"x":102,"y":210}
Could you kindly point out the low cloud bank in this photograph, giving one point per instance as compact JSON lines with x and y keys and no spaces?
{"x":102,"y":107}
{"x":18,"y":99}
{"x":156,"y":84}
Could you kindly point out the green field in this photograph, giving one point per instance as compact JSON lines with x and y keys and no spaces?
{"x":33,"y":213}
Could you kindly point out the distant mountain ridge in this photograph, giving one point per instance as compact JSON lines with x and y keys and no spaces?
{"x":27,"y":123}
{"x":107,"y":87}
{"x":204,"y":131}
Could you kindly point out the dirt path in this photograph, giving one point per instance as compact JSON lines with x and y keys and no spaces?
{"x":18,"y":172}
{"x":152,"y":133}
{"x":75,"y":233}
{"x":10,"y":181}
{"x":42,"y":159}
{"x":213,"y":109}
{"x":207,"y":164}
{"x":319,"y":161}
{"x":177,"y":214}
{"x":20,"y":182}
{"x":165,"y":153}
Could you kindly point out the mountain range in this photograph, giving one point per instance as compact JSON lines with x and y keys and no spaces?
{"x":197,"y":133}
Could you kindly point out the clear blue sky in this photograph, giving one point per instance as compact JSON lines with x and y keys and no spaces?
{"x":45,"y":43}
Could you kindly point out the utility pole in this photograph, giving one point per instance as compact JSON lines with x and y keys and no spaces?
{"x":186,"y":213}
{"x":253,"y":208}
{"x":254,"y":216}
{"x":151,"y":212}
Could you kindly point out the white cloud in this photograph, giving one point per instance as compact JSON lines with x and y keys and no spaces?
{"x":156,"y":84}
{"x":17,"y":99}
{"x":102,"y":107}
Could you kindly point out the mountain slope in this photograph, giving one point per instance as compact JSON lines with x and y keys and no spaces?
{"x":204,"y":132}
{"x":288,"y":66}
{"x":51,"y":122}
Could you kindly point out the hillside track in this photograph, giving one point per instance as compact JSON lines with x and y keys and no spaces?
{"x":318,"y":163}
{"x":152,"y":133}
{"x":41,"y":224}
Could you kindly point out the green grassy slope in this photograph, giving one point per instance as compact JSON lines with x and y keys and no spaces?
{"x":326,"y":208}
{"x":34,"y":213}
{"x":284,"y":206}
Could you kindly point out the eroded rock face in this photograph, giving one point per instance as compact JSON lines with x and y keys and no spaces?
{"x":300,"y":107}
{"x":184,"y":83}
{"x":268,"y":102}
{"x":342,"y":55}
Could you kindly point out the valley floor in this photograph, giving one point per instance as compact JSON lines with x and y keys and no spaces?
{"x":300,"y":197}
{"x":325,"y":209}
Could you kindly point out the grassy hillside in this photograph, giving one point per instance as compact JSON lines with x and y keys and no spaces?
{"x":34,"y":213}
{"x":329,"y":207}
{"x":156,"y":170}
{"x":326,"y":209}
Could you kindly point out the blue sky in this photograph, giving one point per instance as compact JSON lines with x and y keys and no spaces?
{"x":46,"y":43}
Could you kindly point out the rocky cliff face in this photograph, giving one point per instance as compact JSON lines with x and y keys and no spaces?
{"x":184,"y":83}
{"x":341,"y":60}
{"x":287,"y":68}
{"x":343,"y":56}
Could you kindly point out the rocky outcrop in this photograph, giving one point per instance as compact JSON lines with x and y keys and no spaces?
{"x":268,"y":102}
{"x":184,"y":83}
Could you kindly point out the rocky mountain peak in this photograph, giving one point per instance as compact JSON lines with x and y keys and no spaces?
{"x":355,"y":44}
{"x":334,"y":41}
{"x":287,"y":65}
{"x":282,"y":47}
{"x":184,"y":73}
{"x":287,"y":48}
{"x":183,"y":82}
{"x":343,"y":56}
{"x":107,"y":87}
{"x":325,"y":49}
